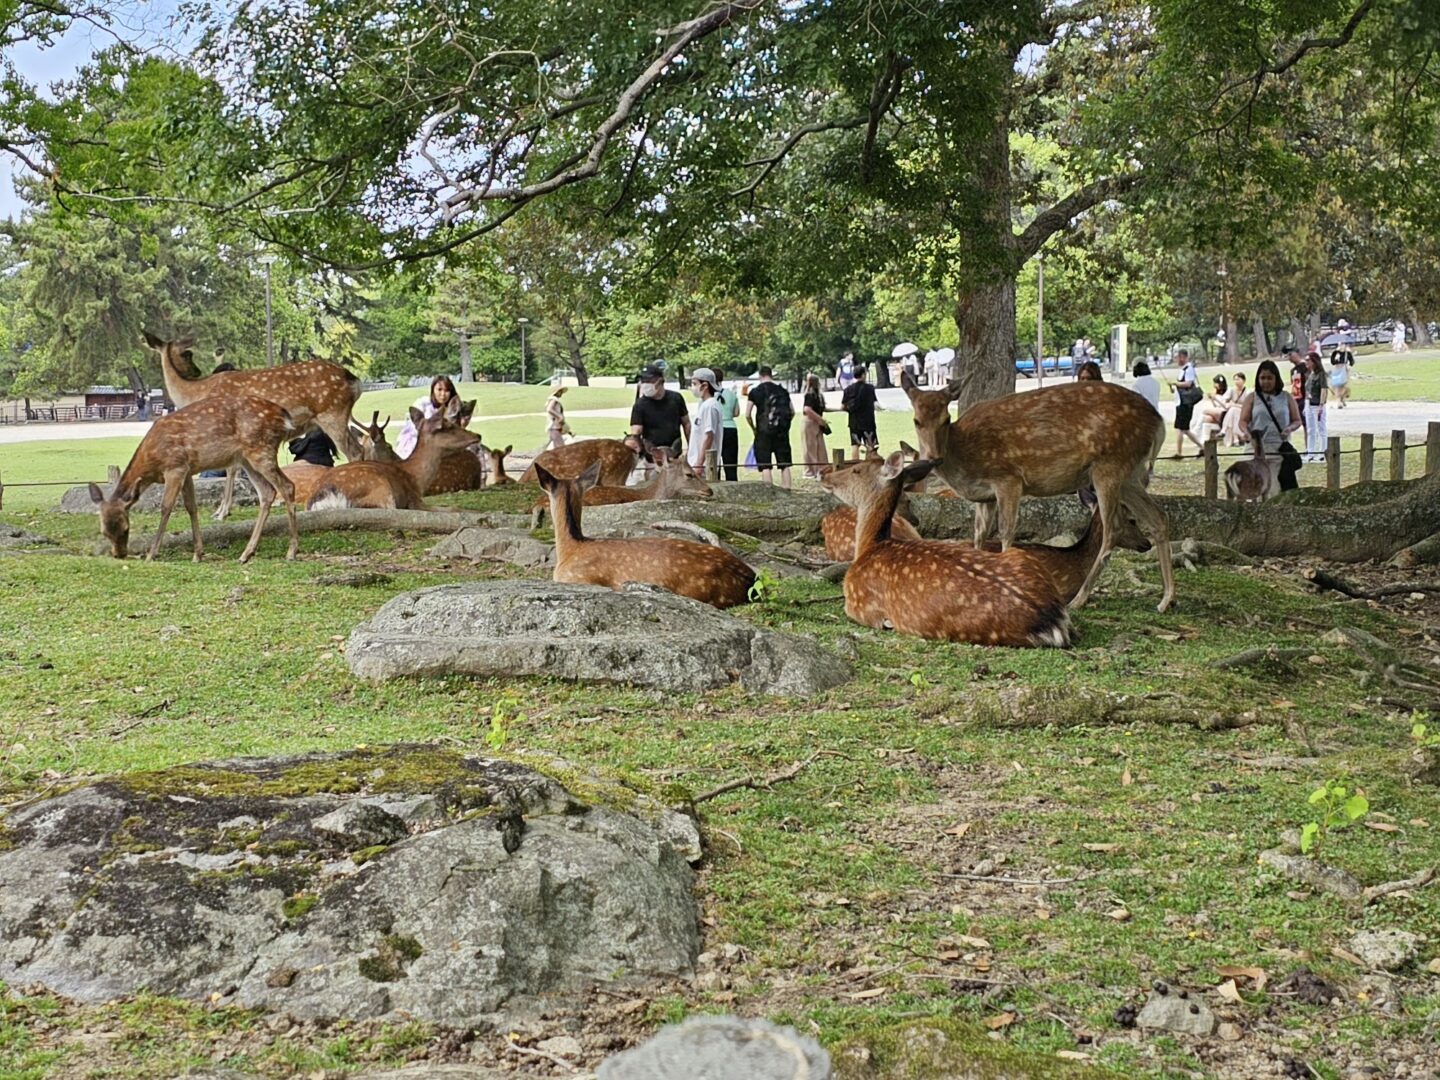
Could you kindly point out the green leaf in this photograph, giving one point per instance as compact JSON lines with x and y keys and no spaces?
{"x":1356,"y":807}
{"x":1308,"y":835}
{"x":1319,"y":795}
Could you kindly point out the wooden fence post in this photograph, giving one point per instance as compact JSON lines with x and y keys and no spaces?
{"x":112,"y":476}
{"x":1397,"y":455}
{"x":1212,"y":468}
{"x":838,"y":455}
{"x":712,"y":465}
{"x":1367,"y":458}
{"x":1332,"y":462}
{"x":1432,"y":447}
{"x":2,"y":494}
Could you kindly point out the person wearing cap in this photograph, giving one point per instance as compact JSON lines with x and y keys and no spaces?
{"x":659,"y":414}
{"x":555,"y":414}
{"x":709,"y":420}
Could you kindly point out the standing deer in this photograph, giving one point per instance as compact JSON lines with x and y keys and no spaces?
{"x":314,"y":392}
{"x":219,"y":432}
{"x":674,"y":479}
{"x":617,"y":460}
{"x":936,"y":588}
{"x":1050,"y":442}
{"x":399,"y":485}
{"x":685,"y":567}
{"x":1255,"y":479}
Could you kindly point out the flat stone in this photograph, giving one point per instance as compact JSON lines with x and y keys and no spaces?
{"x":512,"y":546}
{"x":360,"y":825}
{"x":564,"y":1045}
{"x":722,"y":1048}
{"x":1385,"y":950}
{"x":641,"y":635}
{"x":1170,"y":1012}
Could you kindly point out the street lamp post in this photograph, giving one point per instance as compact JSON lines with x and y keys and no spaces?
{"x":268,"y":261}
{"x":1226,"y":355}
{"x":522,"y":323}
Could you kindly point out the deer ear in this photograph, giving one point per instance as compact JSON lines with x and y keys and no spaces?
{"x":507,"y":450}
{"x":894,"y":465}
{"x":96,"y":495}
{"x":547,"y":481}
{"x":416,"y":416}
{"x":151,"y":340}
{"x":385,"y":424}
{"x":452,"y":409}
{"x":916,"y":471}
{"x":909,"y":450}
{"x":590,"y":477}
{"x":954,"y":389}
{"x":908,"y":384}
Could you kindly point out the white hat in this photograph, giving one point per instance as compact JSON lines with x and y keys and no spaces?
{"x":704,"y":374}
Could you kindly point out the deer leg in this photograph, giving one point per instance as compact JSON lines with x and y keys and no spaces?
{"x":227,"y":497}
{"x":1007,"y":509}
{"x":984,"y":522}
{"x":1106,"y":497}
{"x":274,"y":477}
{"x":1151,"y":520}
{"x":188,"y":493}
{"x":173,"y":483}
{"x":338,"y":428}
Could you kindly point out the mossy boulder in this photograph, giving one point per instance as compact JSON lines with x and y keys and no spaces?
{"x":241,"y":879}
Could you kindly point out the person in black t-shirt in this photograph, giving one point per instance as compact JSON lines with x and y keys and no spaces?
{"x":659,"y":414}
{"x":859,"y":401}
{"x":769,"y":411}
{"x":316,"y":448}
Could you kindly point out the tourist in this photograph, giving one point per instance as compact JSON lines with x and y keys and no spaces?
{"x":845,"y":372}
{"x":730,"y":434}
{"x":1230,"y":428}
{"x":1089,"y":372}
{"x":1188,"y":395}
{"x":1339,"y":379}
{"x":1275,"y":414}
{"x":555,"y":412}
{"x":708,"y":433}
{"x":659,"y":414}
{"x":1317,"y":391}
{"x":1397,"y":338}
{"x":442,"y":390}
{"x":815,"y":430}
{"x":859,"y":402}
{"x":1146,"y":385}
{"x":314,"y":448}
{"x":768,"y":411}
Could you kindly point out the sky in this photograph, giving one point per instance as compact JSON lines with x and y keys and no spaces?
{"x":144,"y":24}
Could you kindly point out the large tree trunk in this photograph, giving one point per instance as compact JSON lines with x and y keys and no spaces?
{"x":1298,"y":337}
{"x":1422,"y":332}
{"x":1231,"y":354}
{"x":985,"y":315}
{"x":467,"y":371}
{"x":576,"y":356}
{"x":1258,"y":337}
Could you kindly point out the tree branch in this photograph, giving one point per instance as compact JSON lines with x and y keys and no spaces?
{"x":1059,"y":215}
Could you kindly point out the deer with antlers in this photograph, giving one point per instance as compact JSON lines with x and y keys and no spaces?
{"x":937,"y":588}
{"x":617,"y":459}
{"x":673,"y":480}
{"x":1050,"y":442}
{"x":685,"y":567}
{"x":222,"y":432}
{"x":399,"y":485}
{"x":314,"y":392}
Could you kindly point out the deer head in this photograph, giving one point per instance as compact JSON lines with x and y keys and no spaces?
{"x":932,"y":414}
{"x":179,"y":354}
{"x":496,"y":460}
{"x":373,"y":445}
{"x":678,"y":479}
{"x":446,"y":430}
{"x":114,"y":519}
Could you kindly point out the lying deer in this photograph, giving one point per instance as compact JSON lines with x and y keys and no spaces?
{"x":495,"y":475}
{"x":221,"y":432}
{"x":1050,"y":442}
{"x":674,"y":479}
{"x":1256,"y":478}
{"x":373,"y":444}
{"x":936,"y":588}
{"x":685,"y":567}
{"x":617,"y":460}
{"x":838,"y":529}
{"x":399,"y":485}
{"x":459,"y":470}
{"x":314,"y":392}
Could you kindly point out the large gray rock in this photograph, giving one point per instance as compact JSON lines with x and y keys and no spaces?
{"x":1386,"y":950}
{"x":640,"y":635}
{"x":208,"y":490}
{"x":17,"y":541}
{"x":221,"y":879}
{"x":498,"y":545}
{"x":722,"y":1048}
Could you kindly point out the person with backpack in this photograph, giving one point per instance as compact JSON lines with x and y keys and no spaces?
{"x":859,"y":401}
{"x":768,"y":411}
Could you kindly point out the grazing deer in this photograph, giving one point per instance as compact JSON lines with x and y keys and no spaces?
{"x":936,"y":588}
{"x":495,"y":474}
{"x":1050,"y":442}
{"x":674,"y":479}
{"x":1255,"y":479}
{"x":685,"y":567}
{"x":617,"y":460}
{"x":314,"y":392}
{"x":221,"y":432}
{"x":399,"y":485}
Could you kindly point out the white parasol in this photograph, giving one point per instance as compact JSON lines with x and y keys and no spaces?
{"x":905,"y":348}
{"x":943,"y":356}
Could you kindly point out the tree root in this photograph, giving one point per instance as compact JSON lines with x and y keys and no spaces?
{"x":761,"y":782}
{"x":1324,"y":581}
{"x":1272,"y":659}
{"x":1034,"y":706}
{"x":1285,"y":860}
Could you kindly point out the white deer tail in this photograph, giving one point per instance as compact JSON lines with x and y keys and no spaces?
{"x":328,"y":497}
{"x":1231,"y":487}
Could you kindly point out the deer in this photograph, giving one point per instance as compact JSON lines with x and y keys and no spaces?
{"x":674,"y":479}
{"x":373,"y":444}
{"x":399,"y":485}
{"x":685,"y":567}
{"x":459,"y":470}
{"x":617,"y":459}
{"x":838,"y":529}
{"x":229,"y":431}
{"x":314,"y":392}
{"x":1255,"y":479}
{"x":495,"y":474}
{"x":936,"y":588}
{"x":1050,"y":442}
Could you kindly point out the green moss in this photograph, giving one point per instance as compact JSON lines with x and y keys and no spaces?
{"x":380,"y":969}
{"x":283,"y":849}
{"x":392,"y":955}
{"x":297,"y":906}
{"x":935,"y":1049}
{"x":403,"y":946}
{"x":364,"y":855}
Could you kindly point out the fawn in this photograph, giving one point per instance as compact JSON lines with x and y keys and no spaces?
{"x":1255,"y":479}
{"x":936,"y":588}
{"x":617,"y":460}
{"x":228,"y":432}
{"x":673,"y":480}
{"x":496,"y":471}
{"x":315,"y":391}
{"x":1050,"y":442}
{"x":685,"y":567}
{"x":399,"y":485}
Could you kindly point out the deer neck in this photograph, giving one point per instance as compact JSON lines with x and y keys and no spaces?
{"x":133,"y":481}
{"x":873,"y":518}
{"x":182,"y":386}
{"x":424,"y":462}
{"x":565,"y":514}
{"x":1088,"y":545}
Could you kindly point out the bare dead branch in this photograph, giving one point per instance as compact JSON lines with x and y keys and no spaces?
{"x":757,"y":782}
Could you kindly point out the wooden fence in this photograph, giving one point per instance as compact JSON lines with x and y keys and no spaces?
{"x":1211,"y":455}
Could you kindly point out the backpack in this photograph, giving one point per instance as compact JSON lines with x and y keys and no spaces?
{"x":777,"y":412}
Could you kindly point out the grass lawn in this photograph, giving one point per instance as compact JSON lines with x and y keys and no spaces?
{"x":840,"y":886}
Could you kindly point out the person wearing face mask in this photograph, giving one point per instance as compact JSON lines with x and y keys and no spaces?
{"x":709,"y":419}
{"x":659,"y":414}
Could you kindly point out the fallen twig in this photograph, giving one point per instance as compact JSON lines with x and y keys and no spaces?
{"x":1264,"y":656}
{"x":1323,"y":581}
{"x":533,"y":1052}
{"x":765,"y":782}
{"x":1419,"y":881}
{"x":1014,"y":880}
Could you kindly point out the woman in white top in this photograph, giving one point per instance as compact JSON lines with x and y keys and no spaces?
{"x":1274,"y":413}
{"x":442,"y":390}
{"x":555,"y":411}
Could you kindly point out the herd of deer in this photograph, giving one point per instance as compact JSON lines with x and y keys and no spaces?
{"x":1086,"y":435}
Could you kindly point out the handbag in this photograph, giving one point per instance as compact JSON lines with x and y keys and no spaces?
{"x":825,"y":427}
{"x":1190,"y":395}
{"x":1290,"y":460}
